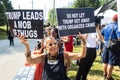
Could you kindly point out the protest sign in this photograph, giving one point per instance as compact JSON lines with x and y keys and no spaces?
{"x":72,"y":21}
{"x":28,"y":23}
{"x":118,"y":10}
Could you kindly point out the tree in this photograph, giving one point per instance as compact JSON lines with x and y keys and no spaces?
{"x":86,"y":3}
{"x":52,"y":18}
{"x":7,"y":4}
{"x":2,"y":14}
{"x":107,"y":1}
{"x":4,"y":5}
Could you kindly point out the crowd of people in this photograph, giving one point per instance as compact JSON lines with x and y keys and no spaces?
{"x":53,"y":54}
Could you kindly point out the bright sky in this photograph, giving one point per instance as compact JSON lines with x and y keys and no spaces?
{"x":40,"y":4}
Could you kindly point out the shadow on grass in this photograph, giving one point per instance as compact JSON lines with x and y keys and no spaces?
{"x":98,"y":61}
{"x":73,"y":71}
{"x":74,"y":66}
{"x":100,"y":73}
{"x":96,"y":72}
{"x":116,"y":76}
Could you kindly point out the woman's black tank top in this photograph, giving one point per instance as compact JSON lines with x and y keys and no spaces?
{"x":54,"y":70}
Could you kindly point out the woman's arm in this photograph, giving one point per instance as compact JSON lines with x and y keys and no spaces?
{"x":77,"y":56}
{"x":38,"y":59}
{"x":65,"y":39}
{"x":29,"y":59}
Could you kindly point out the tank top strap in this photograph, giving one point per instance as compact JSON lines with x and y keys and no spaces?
{"x":61,"y":56}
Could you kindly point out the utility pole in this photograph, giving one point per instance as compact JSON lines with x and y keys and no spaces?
{"x":32,"y":4}
{"x":53,"y":10}
{"x":19,"y":6}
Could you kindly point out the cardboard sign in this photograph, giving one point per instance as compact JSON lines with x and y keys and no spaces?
{"x":72,"y":21}
{"x":118,"y":10}
{"x":28,"y":23}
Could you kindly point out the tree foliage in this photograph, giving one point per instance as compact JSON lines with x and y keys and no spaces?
{"x":52,"y":18}
{"x":2,"y":14}
{"x":7,"y":4}
{"x":86,"y":3}
{"x":4,"y":5}
{"x":106,"y":1}
{"x":90,"y":3}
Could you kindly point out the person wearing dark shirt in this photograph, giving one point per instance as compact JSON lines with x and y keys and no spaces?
{"x":56,"y":36}
{"x":11,"y":38}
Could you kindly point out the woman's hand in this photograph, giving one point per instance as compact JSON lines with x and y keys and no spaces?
{"x":81,"y":37}
{"x":23,"y":40}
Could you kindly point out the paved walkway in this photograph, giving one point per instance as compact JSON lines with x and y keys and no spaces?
{"x":12,"y":58}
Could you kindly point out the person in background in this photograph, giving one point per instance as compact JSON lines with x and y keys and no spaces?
{"x":11,"y":38}
{"x":39,"y":49}
{"x":86,"y":63}
{"x":110,"y":59}
{"x":56,"y":36}
{"x":99,"y":42}
{"x":68,"y":43}
{"x":48,"y":31}
{"x":54,"y":63}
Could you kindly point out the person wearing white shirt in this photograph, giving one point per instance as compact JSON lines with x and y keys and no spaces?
{"x":86,"y":63}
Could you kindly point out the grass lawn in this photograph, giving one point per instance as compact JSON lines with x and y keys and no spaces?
{"x":3,"y":33}
{"x":96,"y":71}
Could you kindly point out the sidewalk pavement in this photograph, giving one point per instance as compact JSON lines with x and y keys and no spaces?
{"x":12,"y":57}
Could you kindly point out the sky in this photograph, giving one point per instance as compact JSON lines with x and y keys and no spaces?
{"x":40,"y":4}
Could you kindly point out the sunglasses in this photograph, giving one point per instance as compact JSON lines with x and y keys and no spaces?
{"x":51,"y":44}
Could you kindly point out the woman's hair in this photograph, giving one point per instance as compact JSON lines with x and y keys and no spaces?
{"x":49,"y":37}
{"x":56,"y":31}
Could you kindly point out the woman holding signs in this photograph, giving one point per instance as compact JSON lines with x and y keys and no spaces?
{"x":54,"y":62}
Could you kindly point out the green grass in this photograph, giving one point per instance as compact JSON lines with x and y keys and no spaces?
{"x":3,"y":33}
{"x":96,"y":71}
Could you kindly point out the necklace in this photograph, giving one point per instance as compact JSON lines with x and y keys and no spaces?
{"x":52,"y":59}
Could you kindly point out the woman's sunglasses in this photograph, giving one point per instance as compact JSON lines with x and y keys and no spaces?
{"x":51,"y":44}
